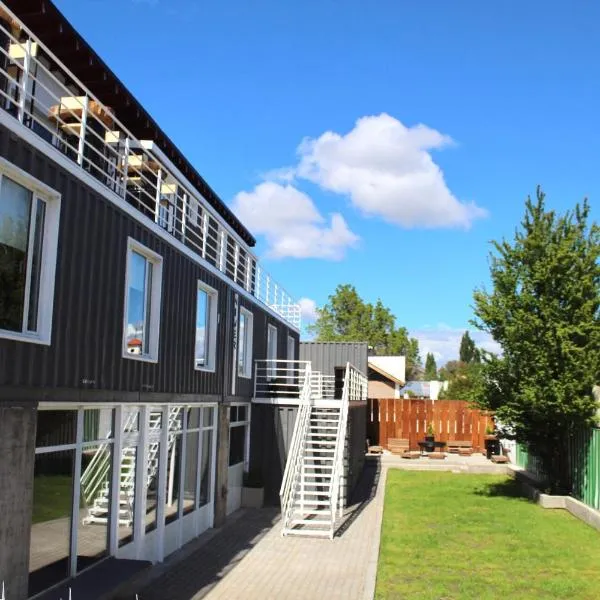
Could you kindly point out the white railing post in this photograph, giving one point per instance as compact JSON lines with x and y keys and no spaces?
{"x":248,"y":285}
{"x":184,"y":209}
{"x":157,"y":197}
{"x":84,"y":115}
{"x":202,"y":214}
{"x":26,"y":79}
{"x":236,"y":261}
{"x":222,"y":250}
{"x":257,"y":283}
{"x":268,"y":286}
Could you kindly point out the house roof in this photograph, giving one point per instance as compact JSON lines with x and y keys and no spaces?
{"x":392,"y":377}
{"x":53,"y":29}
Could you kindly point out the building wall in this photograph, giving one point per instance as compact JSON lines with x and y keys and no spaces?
{"x":381,"y":389}
{"x":326,"y":356}
{"x":87,"y":327}
{"x":17,"y":446}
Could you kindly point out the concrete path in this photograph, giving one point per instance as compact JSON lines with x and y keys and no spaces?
{"x":293,"y":568}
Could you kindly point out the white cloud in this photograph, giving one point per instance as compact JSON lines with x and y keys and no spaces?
{"x":387,"y":170}
{"x":291,"y":223}
{"x":444,"y":342}
{"x":308,"y":310}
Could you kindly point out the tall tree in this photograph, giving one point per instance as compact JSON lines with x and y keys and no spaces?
{"x":348,"y":318}
{"x":469,"y":352}
{"x":544,"y":310}
{"x":430,"y":368}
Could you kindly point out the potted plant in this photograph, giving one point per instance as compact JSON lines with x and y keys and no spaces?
{"x":490,"y":433}
{"x":430,"y":436}
{"x":253,"y":490}
{"x":492,"y":445}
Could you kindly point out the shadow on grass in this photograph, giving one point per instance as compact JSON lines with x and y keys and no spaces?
{"x":505,"y":489}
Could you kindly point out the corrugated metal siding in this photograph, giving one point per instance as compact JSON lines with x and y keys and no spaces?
{"x":89,"y":301}
{"x":245,"y":387}
{"x":270,"y":437}
{"x":326,"y":356}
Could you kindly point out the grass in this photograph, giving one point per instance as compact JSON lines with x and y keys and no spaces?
{"x":452,"y":536}
{"x":52,"y":497}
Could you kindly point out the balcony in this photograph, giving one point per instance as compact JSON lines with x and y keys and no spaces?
{"x":40,"y":92}
{"x":282,"y":382}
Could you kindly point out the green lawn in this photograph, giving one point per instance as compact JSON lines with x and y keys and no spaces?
{"x":52,"y":497}
{"x":449,"y":536}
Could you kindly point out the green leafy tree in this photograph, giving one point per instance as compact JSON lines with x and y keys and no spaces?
{"x":465,"y":382}
{"x":469,"y":353}
{"x":430,"y":368}
{"x":544,"y":311}
{"x":348,"y":318}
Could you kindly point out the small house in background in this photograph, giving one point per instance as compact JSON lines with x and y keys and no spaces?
{"x":423,"y":389}
{"x":387,"y":376}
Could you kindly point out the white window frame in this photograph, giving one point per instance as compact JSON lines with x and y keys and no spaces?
{"x":291,"y":342}
{"x":52,"y":199}
{"x":271,"y":350}
{"x":155,"y":301}
{"x":245,"y":370}
{"x":213,"y":315}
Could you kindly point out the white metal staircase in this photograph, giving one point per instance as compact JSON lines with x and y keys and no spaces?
{"x":95,"y":484}
{"x":311,"y":497}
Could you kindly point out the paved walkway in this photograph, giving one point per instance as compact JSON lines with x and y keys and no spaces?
{"x":248,"y":558}
{"x":293,"y":568}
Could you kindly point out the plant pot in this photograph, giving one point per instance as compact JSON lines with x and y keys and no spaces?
{"x":253,"y":497}
{"x":430,"y":438}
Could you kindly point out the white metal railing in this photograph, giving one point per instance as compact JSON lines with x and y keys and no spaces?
{"x":355,"y":389}
{"x":295,"y":452}
{"x":284,"y":379}
{"x":78,"y":124}
{"x":280,"y":378}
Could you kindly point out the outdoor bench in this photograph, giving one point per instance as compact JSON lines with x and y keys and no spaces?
{"x":462,"y":447}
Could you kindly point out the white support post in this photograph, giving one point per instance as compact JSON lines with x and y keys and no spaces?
{"x":236,"y":262}
{"x":222,"y":250}
{"x":171,"y":473}
{"x":162,"y":480}
{"x":184,"y":209}
{"x":76,"y":494}
{"x":268,"y":289}
{"x":249,"y":274}
{"x":81,"y":146}
{"x":157,"y":200}
{"x":202,"y":214}
{"x":115,"y":487}
{"x":26,"y":80}
{"x":276,"y":290}
{"x":141,"y":483}
{"x":257,"y":283}
{"x":125,"y":165}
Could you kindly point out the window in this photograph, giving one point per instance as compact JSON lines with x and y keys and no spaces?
{"x":291,"y":348}
{"x":245,"y":334}
{"x":206,"y":328}
{"x":239,"y":419}
{"x":271,"y":351}
{"x":142,"y":302}
{"x":29,"y":216}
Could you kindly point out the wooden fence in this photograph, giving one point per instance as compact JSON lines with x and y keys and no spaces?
{"x":410,"y":418}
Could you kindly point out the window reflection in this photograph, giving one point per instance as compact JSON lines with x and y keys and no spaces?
{"x":51,"y":519}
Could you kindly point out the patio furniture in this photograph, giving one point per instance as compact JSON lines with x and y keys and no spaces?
{"x":375,"y":450}
{"x":460,"y":447}
{"x":430,"y":446}
{"x":398,"y":445}
{"x":499,"y":459}
{"x":411,"y":454}
{"x":436,"y":455}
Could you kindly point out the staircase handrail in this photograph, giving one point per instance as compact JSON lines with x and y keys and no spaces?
{"x":354,"y":389}
{"x":94,"y":473}
{"x":298,"y":436}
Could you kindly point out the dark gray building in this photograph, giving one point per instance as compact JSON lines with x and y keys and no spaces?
{"x":132,"y":309}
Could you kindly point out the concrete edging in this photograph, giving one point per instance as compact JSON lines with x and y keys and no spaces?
{"x":578,"y":509}
{"x":371,"y":574}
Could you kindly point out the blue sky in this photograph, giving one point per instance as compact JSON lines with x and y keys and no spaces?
{"x":506,"y":93}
